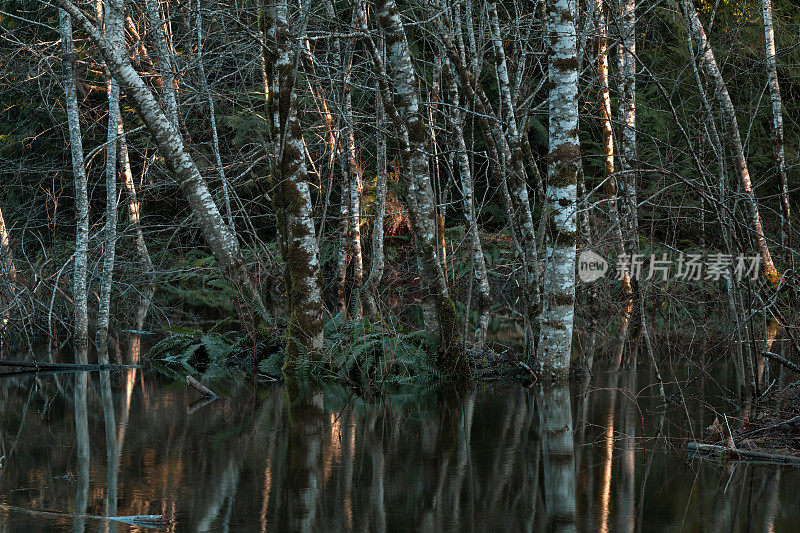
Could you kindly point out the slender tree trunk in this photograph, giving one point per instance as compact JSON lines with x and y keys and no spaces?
{"x":8,"y":274}
{"x":353,"y":182}
{"x":294,"y":200}
{"x":114,"y":16}
{"x":159,"y":29}
{"x":468,"y":195}
{"x":217,"y":233}
{"x":420,"y":197}
{"x":212,"y":118}
{"x":608,"y":156}
{"x":734,"y":138}
{"x":777,"y":126}
{"x":370,"y":293}
{"x":81,"y":190}
{"x":558,"y":309}
{"x":134,"y":207}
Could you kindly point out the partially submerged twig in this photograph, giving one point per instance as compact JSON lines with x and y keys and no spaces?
{"x":199,"y":387}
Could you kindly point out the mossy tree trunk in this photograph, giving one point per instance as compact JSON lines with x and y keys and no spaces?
{"x":293,"y":198}
{"x":558,"y":305}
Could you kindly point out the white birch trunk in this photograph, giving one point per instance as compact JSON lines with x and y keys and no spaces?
{"x":627,"y":114}
{"x":81,"y":190}
{"x":778,"y":151}
{"x":113,"y":17}
{"x":158,"y":29}
{"x":558,"y":306}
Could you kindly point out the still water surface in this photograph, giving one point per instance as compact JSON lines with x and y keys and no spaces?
{"x":266,"y":458}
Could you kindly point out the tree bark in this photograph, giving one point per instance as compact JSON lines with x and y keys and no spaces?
{"x":113,"y":17}
{"x":81,"y":190}
{"x":558,"y":307}
{"x":159,"y":31}
{"x":777,"y":126}
{"x":293,"y":199}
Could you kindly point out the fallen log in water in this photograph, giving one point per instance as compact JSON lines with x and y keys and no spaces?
{"x":737,"y":454}
{"x":199,"y":387}
{"x":157,"y":521}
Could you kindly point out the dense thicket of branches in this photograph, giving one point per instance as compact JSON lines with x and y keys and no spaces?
{"x":371,"y":157}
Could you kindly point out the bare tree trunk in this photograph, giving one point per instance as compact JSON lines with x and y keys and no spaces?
{"x":8,"y":274}
{"x":608,"y":149}
{"x":734,"y":138}
{"x":370,"y":292}
{"x":158,"y":29}
{"x":114,"y":16}
{"x":777,"y":125}
{"x":468,"y":195}
{"x":212,"y":118}
{"x":293,"y":199}
{"x":421,"y":203}
{"x":558,"y":306}
{"x":217,"y":233}
{"x":81,"y":195}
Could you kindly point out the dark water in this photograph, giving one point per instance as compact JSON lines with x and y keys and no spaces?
{"x":271,"y":458}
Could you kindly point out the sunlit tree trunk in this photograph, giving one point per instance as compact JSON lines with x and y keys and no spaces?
{"x":732,"y":129}
{"x":134,"y":207}
{"x":114,"y":15}
{"x":217,"y":233}
{"x":406,"y":114}
{"x":777,"y":124}
{"x":468,"y":195}
{"x":81,"y":195}
{"x":558,"y":302}
{"x":608,"y":154}
{"x":293,"y":199}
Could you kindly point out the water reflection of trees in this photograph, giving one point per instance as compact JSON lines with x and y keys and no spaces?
{"x":293,"y":458}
